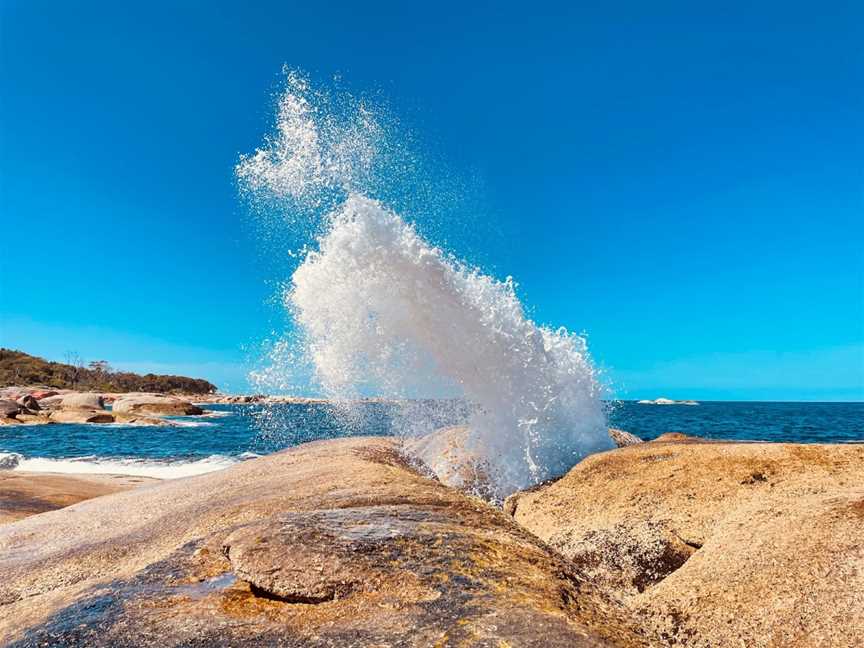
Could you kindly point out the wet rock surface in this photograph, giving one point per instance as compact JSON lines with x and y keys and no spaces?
{"x":336,"y":543}
{"x":717,"y":544}
{"x":332,"y":553}
{"x":448,"y":455}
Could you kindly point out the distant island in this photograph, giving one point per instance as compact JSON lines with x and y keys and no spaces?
{"x":667,"y":401}
{"x":19,"y":368}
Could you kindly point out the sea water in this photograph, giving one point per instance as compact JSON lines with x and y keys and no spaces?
{"x":242,"y":432}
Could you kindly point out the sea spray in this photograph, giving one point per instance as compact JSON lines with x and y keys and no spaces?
{"x":380,"y":309}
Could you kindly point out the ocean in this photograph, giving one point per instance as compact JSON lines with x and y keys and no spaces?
{"x":238,"y":432}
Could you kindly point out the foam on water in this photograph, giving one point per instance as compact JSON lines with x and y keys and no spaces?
{"x":381,"y":309}
{"x":110,"y":466}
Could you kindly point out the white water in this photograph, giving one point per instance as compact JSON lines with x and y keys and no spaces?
{"x":380,"y":308}
{"x":117,"y":466}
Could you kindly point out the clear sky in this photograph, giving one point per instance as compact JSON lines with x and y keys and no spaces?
{"x":682,"y":182}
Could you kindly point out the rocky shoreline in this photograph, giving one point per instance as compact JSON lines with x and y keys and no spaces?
{"x":41,"y":405}
{"x":27,"y":406}
{"x":349,"y":543}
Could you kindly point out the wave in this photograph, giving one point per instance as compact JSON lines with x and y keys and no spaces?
{"x":379,"y":308}
{"x":178,"y":422}
{"x":133,"y":466}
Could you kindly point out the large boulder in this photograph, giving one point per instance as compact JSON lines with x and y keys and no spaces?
{"x":334,"y":543}
{"x":447,"y":454}
{"x":9,"y":408}
{"x":51,"y":402}
{"x":155,"y":404}
{"x":29,"y":403}
{"x":12,"y":393}
{"x":717,"y":544}
{"x":80,"y":415}
{"x":84,"y":400}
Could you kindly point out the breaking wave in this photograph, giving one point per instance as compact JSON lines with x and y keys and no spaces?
{"x":138,"y":467}
{"x":380,"y":310}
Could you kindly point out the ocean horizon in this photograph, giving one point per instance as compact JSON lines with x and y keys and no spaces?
{"x":235,"y":433}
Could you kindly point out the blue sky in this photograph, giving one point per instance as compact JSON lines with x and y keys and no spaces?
{"x":681,"y":182}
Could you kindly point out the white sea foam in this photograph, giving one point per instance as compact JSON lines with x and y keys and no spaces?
{"x":382,"y":309}
{"x":185,"y":423}
{"x":169,"y":469}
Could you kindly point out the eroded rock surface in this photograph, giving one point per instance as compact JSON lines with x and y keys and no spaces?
{"x":336,"y":543}
{"x":717,"y":544}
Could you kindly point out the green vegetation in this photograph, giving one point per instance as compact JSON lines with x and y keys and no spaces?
{"x":18,"y":368}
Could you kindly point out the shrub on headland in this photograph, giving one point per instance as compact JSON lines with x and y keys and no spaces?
{"x":19,"y":368}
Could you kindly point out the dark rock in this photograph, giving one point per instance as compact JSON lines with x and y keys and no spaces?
{"x":29,"y":403}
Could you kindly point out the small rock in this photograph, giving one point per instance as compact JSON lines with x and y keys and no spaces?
{"x":9,"y":460}
{"x":623,"y":439}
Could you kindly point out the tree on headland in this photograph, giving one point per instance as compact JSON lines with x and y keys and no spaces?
{"x":101,"y":370}
{"x":100,"y":366}
{"x":75,"y":364}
